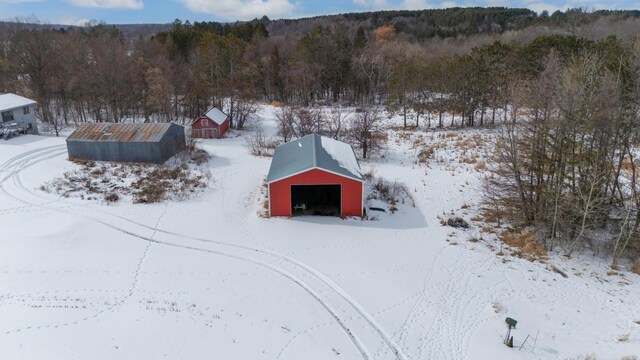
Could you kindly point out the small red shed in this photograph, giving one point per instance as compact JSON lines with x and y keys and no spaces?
{"x":315,"y":175}
{"x":212,"y":125}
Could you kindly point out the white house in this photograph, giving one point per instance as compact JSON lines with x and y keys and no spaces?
{"x":19,"y":110}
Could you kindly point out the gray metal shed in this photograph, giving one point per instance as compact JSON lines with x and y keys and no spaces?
{"x":147,"y":143}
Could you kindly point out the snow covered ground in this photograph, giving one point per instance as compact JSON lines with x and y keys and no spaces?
{"x":208,"y":277}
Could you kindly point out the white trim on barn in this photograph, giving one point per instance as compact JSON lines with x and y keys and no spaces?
{"x":314,"y":168}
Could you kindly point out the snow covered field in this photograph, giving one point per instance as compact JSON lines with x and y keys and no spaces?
{"x":208,"y":277}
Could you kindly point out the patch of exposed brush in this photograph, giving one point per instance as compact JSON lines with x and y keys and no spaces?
{"x":142,"y":183}
{"x":263,"y":199}
{"x":392,"y":193}
{"x":258,"y":144}
{"x":425,"y":154}
{"x":526,"y":244}
{"x":168,"y":182}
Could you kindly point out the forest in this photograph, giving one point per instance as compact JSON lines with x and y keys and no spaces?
{"x":562,"y":91}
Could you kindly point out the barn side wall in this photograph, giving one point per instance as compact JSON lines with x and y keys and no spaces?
{"x":280,"y":192}
{"x":146,"y":152}
{"x":223,"y":128}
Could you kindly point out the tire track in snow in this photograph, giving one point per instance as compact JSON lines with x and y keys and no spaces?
{"x":326,"y":282}
{"x":18,"y":163}
{"x":24,"y":164}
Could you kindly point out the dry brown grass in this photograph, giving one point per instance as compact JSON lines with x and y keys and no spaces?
{"x":164,"y":182}
{"x":615,"y":265}
{"x":425,"y":154}
{"x":471,"y":159}
{"x":480,"y":166}
{"x":418,"y":143}
{"x":491,"y":214}
{"x":475,"y":239}
{"x":488,"y":229}
{"x":447,"y":135}
{"x":528,"y":244}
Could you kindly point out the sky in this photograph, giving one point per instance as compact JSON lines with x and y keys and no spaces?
{"x":78,"y":12}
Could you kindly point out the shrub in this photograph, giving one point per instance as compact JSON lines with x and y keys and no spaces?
{"x":257,"y":143}
{"x":425,"y":154}
{"x":111,"y":197}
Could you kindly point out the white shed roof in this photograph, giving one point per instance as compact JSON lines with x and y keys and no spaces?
{"x":13,"y":101}
{"x":216,"y":115}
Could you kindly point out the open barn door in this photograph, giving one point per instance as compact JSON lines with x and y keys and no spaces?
{"x":323,"y":200}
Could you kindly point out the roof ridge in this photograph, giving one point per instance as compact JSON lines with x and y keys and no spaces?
{"x":315,"y":155}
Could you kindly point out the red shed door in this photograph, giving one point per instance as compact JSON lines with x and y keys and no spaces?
{"x":323,"y":200}
{"x":209,"y":133}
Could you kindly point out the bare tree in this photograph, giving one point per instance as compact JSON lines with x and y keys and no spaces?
{"x":307,"y":121}
{"x":338,"y":120}
{"x":244,"y":111}
{"x":366,"y":130}
{"x":285,"y":118}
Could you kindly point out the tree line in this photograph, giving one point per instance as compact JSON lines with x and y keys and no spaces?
{"x":93,"y":72}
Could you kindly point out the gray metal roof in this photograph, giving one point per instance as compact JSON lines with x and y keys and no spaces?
{"x":314,"y":151}
{"x":216,"y":115}
{"x":120,"y":132}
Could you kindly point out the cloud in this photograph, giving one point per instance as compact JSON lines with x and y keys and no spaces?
{"x":539,"y":7}
{"x":414,"y":4}
{"x":374,"y":4}
{"x":242,"y":9}
{"x":109,"y":4}
{"x":72,"y":21}
{"x":388,"y":5}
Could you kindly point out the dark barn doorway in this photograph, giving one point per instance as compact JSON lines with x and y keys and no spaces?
{"x":323,"y":200}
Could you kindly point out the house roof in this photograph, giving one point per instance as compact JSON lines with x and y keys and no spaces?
{"x":13,"y":101}
{"x":120,"y":132}
{"x":314,"y":152}
{"x":216,"y":115}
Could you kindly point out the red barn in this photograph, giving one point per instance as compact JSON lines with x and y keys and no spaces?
{"x":315,"y":175}
{"x":211,"y":125}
